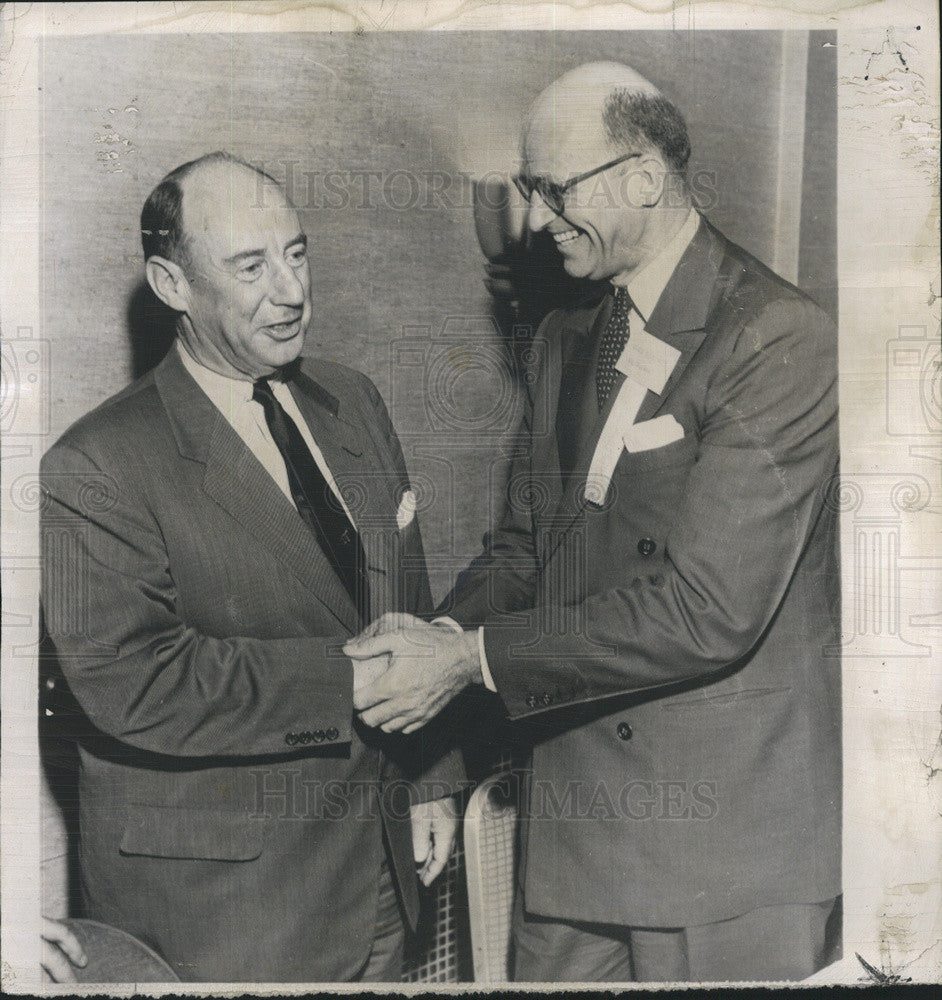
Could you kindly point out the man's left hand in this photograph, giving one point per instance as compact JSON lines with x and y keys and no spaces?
{"x":428,"y":667}
{"x":61,"y":952}
{"x":434,"y":828}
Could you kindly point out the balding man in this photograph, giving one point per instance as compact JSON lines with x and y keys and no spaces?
{"x":660,"y":598}
{"x":212,"y":535}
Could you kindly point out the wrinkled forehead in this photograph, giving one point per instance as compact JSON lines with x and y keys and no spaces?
{"x":226,"y":206}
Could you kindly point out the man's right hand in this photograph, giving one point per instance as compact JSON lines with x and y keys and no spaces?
{"x":365,"y":672}
{"x":429,"y":666}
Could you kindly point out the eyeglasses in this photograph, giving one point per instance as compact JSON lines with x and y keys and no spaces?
{"x":553,"y":194}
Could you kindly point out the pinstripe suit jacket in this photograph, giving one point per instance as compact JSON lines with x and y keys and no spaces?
{"x":232,"y":811}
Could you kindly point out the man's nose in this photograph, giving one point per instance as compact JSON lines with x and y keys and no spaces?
{"x":288,"y":284}
{"x":540,"y":215}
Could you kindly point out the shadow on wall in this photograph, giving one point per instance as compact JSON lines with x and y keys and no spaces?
{"x":524,"y":270}
{"x":151,"y":327}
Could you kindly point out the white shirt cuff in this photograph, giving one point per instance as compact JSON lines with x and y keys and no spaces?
{"x":486,"y":677}
{"x":485,"y":669}
{"x":447,"y":622}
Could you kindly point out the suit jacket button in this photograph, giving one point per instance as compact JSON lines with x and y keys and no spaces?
{"x":623,"y":730}
{"x":332,"y":733}
{"x":647,"y":546}
{"x":531,"y":701}
{"x":547,"y":699}
{"x":291,"y":739}
{"x":318,"y":736}
{"x":304,"y":737}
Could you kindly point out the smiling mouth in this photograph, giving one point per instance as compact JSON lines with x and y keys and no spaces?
{"x":286,"y":329}
{"x":567,"y":236}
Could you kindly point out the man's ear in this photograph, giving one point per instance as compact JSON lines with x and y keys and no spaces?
{"x":168,"y":282}
{"x":648,"y":179}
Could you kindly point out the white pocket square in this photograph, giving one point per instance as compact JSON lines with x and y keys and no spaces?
{"x":654,"y":433}
{"x":406,"y":513}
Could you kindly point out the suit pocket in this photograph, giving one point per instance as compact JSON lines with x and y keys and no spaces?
{"x":678,"y":453}
{"x":646,"y":493}
{"x":205,"y":834}
{"x":723,"y":699}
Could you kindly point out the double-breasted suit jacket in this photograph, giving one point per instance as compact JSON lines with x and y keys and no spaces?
{"x":232,"y":810}
{"x":673,"y":647}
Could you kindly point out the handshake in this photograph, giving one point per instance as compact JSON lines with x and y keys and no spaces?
{"x":405,"y":670}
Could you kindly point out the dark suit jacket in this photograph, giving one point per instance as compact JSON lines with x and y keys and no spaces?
{"x":675,"y":649}
{"x":230,"y":807}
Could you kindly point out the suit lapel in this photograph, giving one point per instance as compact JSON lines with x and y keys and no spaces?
{"x":545,"y":450}
{"x":364,"y":483}
{"x":544,"y":455}
{"x":237,"y":481}
{"x":578,"y":378}
{"x":682,"y":311}
{"x":572,"y":500}
{"x":679,"y":319}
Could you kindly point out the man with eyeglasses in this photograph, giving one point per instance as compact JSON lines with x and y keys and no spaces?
{"x":660,"y":599}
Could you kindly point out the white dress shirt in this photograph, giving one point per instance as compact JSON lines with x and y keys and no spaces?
{"x":647,"y":285}
{"x":233,"y":398}
{"x":645,"y":288}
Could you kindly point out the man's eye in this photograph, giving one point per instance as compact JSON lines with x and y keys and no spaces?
{"x":250,"y":271}
{"x":298,"y":256}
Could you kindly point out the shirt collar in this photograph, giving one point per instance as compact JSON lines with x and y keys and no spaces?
{"x":222,"y":390}
{"x":646,"y":286}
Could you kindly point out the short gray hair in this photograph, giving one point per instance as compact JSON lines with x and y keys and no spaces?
{"x":634,"y":119}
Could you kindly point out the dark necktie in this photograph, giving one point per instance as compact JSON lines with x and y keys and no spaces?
{"x":613,"y":343}
{"x":316,"y":501}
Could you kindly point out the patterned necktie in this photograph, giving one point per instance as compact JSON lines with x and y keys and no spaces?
{"x":613,"y":343}
{"x":316,"y":501}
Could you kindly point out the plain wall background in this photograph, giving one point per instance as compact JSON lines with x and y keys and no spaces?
{"x":441,"y":108}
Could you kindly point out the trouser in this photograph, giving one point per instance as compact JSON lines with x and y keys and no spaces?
{"x":767,"y":944}
{"x":384,"y":964}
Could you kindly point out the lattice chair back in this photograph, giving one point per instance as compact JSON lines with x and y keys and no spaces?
{"x":490,"y":826}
